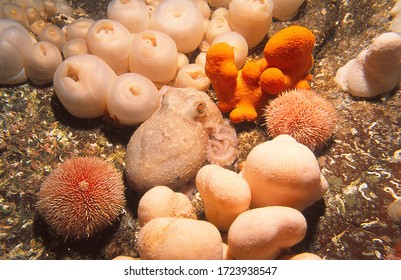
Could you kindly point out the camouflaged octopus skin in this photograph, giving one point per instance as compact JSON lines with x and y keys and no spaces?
{"x":169,"y":148}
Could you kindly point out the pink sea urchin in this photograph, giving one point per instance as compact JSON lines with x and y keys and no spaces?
{"x":81,"y":197}
{"x":304,"y":115}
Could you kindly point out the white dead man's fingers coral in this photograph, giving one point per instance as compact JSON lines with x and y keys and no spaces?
{"x":161,"y":201}
{"x":16,"y":35}
{"x":263,"y":233}
{"x":12,"y":70}
{"x":160,"y":151}
{"x":201,"y":59}
{"x":374,"y":71}
{"x":51,"y":7}
{"x":62,"y":7}
{"x":283,"y":172}
{"x":394,"y":211}
{"x":395,"y":13}
{"x":301,"y":256}
{"x":225,"y":195}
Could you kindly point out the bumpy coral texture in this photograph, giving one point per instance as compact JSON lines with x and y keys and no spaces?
{"x":238,"y":92}
{"x":286,"y":65}
{"x":81,"y":197}
{"x":289,"y":59}
{"x":307,"y":117}
{"x":171,"y":146}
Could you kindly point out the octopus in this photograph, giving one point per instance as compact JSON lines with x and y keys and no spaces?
{"x":185,"y":133}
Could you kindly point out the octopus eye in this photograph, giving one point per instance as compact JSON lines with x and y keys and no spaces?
{"x":200,"y":108}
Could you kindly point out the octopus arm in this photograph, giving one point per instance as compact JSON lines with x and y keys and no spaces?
{"x":222,"y":147}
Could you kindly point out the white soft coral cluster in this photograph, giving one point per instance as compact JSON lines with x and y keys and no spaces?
{"x":258,"y":210}
{"x":395,"y":13}
{"x":376,"y":70}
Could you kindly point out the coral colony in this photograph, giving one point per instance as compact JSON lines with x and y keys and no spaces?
{"x":183,"y":143}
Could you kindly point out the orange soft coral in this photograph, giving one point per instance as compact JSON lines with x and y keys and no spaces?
{"x":238,"y":92}
{"x":289,"y":59}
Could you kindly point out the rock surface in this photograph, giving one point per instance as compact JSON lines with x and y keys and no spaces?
{"x":362,"y":163}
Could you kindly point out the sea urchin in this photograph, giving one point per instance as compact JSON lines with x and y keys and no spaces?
{"x":81,"y":197}
{"x":302,"y":114}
